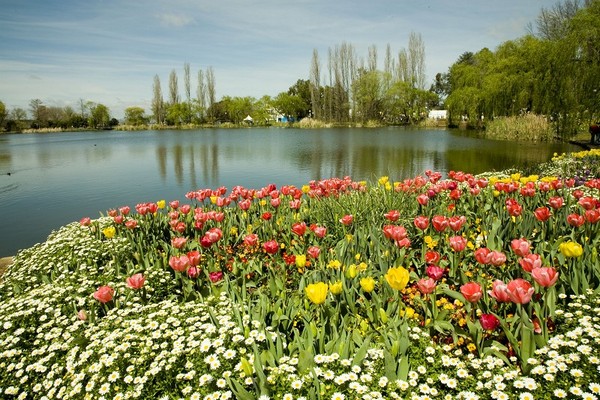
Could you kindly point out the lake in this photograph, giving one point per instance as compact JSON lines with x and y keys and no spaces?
{"x":49,"y":180}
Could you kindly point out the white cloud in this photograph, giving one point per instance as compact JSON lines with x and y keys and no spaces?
{"x":175,"y":20}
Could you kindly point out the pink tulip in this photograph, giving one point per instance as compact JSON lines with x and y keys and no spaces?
{"x":499,"y":292}
{"x":215,"y":276}
{"x":193,"y":272}
{"x":185,"y":209}
{"x":275,"y":202}
{"x":179,"y":263}
{"x":521,"y":247}
{"x":421,"y":222}
{"x":426,"y":285}
{"x":556,"y":202}
{"x":245,"y":204}
{"x":125,"y":210}
{"x":434,"y":272}
{"x":519,"y":291}
{"x":530,"y":261}
{"x":347,"y":219}
{"x":423,"y":199}
{"x":104,"y":294}
{"x":575,"y":220}
{"x":395,"y":232}
{"x":313,"y":251}
{"x":131,"y":224}
{"x":545,"y":276}
{"x":82,"y":315}
{"x":135,"y":281}
{"x":456,"y":222}
{"x":471,"y":291}
{"x":458,"y":243}
{"x":178,"y":242}
{"x":496,"y":258}
{"x":251,"y":239}
{"x":439,"y":222}
{"x":319,"y":231}
{"x":85,"y":221}
{"x":481,"y":255}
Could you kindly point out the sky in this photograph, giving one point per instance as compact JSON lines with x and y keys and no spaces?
{"x":108,"y":51}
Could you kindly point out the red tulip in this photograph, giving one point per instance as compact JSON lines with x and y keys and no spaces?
{"x":347,"y":219}
{"x":174,"y":204}
{"x":423,"y":199}
{"x":458,"y":243}
{"x":530,"y":261}
{"x":575,"y":220}
{"x":319,"y":231}
{"x":314,"y":251}
{"x":179,"y":263}
{"x":426,"y":285}
{"x":112,"y":212}
{"x":496,"y":258}
{"x":542,"y":214}
{"x":194,"y":257}
{"x":85,"y":221}
{"x":135,"y":281}
{"x":131,"y":224}
{"x":481,"y":255}
{"x":299,"y":228}
{"x":439,"y":222}
{"x":588,"y":203}
{"x":489,"y":322}
{"x":395,"y":232}
{"x":421,"y":222}
{"x":545,"y":276}
{"x":392,"y":215}
{"x":471,"y":291}
{"x":271,"y":246}
{"x":245,"y":204}
{"x":499,"y":292}
{"x":104,"y":294}
{"x":276,"y":202}
{"x":519,"y":291}
{"x":125,"y":210}
{"x":185,"y":209}
{"x":513,"y":207}
{"x":205,"y":241}
{"x":251,"y":239}
{"x":556,"y":202}
{"x":456,"y":222}
{"x":434,"y":272}
{"x":521,"y":247}
{"x":432,"y":257}
{"x":266,"y":216}
{"x":592,"y":216}
{"x":118,"y":219}
{"x":178,"y":242}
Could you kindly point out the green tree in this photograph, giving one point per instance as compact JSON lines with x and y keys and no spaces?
{"x":99,"y":116}
{"x":290,"y":105}
{"x":3,"y":114}
{"x":135,"y":116}
{"x":368,"y":96}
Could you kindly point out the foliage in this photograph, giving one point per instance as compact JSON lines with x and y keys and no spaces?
{"x":525,"y":127}
{"x":465,"y":287}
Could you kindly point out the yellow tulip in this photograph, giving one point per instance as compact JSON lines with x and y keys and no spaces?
{"x":109,"y":232}
{"x":383,"y":180}
{"x":316,"y":292}
{"x":305,"y":189}
{"x":161,"y":204}
{"x":397,"y":277}
{"x":367,"y":284}
{"x":571,"y":249}
{"x":336,"y":288}
{"x":351,"y":271}
{"x":300,"y":260}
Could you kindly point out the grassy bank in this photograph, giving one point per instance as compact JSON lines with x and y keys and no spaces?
{"x":528,"y":127}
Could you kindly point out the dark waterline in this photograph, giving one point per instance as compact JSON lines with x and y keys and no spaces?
{"x":60,"y":177}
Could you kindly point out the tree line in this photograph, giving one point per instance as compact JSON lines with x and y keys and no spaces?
{"x":554,"y":71}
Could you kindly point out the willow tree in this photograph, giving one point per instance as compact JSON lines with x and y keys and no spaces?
{"x":158,"y":104}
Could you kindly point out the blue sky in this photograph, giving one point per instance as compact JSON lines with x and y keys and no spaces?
{"x":108,"y":51}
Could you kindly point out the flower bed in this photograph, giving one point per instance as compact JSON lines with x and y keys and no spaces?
{"x":469,"y":287}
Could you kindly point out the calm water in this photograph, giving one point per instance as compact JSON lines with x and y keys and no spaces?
{"x":60,"y":177}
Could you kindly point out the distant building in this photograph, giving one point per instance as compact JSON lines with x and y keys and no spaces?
{"x":438,"y":114}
